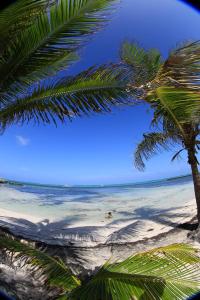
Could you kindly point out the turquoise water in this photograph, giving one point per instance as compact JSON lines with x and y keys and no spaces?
{"x":89,"y":205}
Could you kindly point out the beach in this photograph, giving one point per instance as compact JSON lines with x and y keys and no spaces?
{"x":88,"y":247}
{"x":86,"y":241}
{"x":79,"y":217}
{"x":121,"y":231}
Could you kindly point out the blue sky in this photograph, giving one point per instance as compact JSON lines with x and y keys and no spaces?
{"x":99,"y":149}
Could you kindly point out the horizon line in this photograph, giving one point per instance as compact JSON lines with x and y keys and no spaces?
{"x":11,"y":181}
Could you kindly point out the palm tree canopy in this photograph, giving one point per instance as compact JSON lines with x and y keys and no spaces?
{"x":169,"y":272}
{"x":180,"y":69}
{"x":52,"y":37}
{"x":182,"y":103}
{"x":163,"y":273}
{"x":172,"y":88}
{"x":59,"y":274}
{"x":152,"y":144}
{"x":18,"y":16}
{"x":144,"y":64}
{"x":94,"y":90}
{"x":176,"y":120}
{"x":48,"y":37}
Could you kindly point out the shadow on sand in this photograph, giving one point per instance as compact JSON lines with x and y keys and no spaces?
{"x":133,"y":225}
{"x":162,"y":216}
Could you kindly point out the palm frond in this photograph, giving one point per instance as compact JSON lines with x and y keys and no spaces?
{"x":177,"y":154}
{"x":56,"y":272}
{"x":182,"y":68}
{"x":144,"y":64}
{"x":19,"y":16}
{"x":53,"y":35}
{"x":94,"y":90}
{"x":181,"y":103}
{"x":164,"y":273}
{"x":151,"y":144}
{"x":168,"y":111}
{"x":170,"y":272}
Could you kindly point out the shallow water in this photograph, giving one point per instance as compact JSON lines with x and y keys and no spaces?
{"x":90,"y":205}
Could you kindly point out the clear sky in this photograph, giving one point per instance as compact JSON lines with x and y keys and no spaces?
{"x":99,"y":150}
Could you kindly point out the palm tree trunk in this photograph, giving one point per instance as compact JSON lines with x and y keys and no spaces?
{"x":192,"y":160}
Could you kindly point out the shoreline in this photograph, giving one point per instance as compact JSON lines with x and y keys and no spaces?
{"x":59,"y":232}
{"x":86,"y":249}
{"x":85,"y":259}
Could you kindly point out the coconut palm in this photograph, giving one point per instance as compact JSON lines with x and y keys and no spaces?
{"x":170,"y":272}
{"x":172,"y":89}
{"x":39,"y":38}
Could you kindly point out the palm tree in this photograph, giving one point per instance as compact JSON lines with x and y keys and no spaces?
{"x":172,"y":89}
{"x":38,"y":38}
{"x":170,"y":272}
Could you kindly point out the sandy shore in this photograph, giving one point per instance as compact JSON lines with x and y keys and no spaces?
{"x":59,"y":232}
{"x":5,"y":213}
{"x":86,"y":248}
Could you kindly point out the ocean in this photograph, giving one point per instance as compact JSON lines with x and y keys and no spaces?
{"x":89,"y":205}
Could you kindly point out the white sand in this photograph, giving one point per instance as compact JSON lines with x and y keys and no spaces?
{"x":59,"y":232}
{"x":94,"y":245}
{"x":5,"y":213}
{"x":81,"y":210}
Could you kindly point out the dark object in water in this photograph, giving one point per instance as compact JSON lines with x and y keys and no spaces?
{"x":109,"y":214}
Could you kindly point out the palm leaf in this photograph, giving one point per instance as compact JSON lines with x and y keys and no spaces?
{"x":144,"y":64}
{"x":94,"y":90}
{"x":182,"y":68}
{"x":55,"y":271}
{"x":177,"y":154}
{"x":19,"y":16}
{"x":182,"y":104}
{"x":52,"y":37}
{"x":152,"y":144}
{"x":170,"y":272}
{"x":167,"y":110}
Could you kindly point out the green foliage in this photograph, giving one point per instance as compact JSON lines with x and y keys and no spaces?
{"x":182,"y":68}
{"x":19,"y":16}
{"x":50,"y":40}
{"x":171,"y":87}
{"x":178,"y":109}
{"x":144,"y":64}
{"x":151,"y":145}
{"x":94,"y":90}
{"x":170,"y":272}
{"x":54,"y":269}
{"x":48,"y":37}
{"x":182,"y":103}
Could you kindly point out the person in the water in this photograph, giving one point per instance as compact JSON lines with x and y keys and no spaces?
{"x":109,"y":215}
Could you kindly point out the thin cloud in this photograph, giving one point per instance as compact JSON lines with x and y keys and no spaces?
{"x":22,"y":140}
